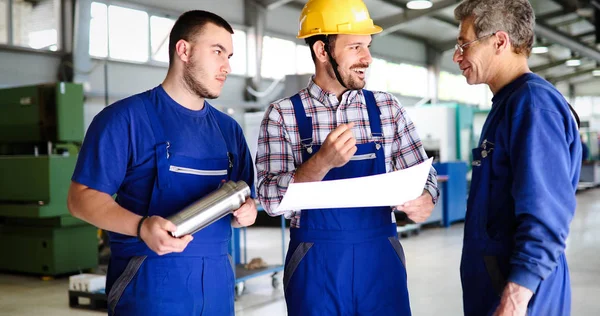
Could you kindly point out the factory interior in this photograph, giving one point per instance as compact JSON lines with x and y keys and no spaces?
{"x":63,"y":61}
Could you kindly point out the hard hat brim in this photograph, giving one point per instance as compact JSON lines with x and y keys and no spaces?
{"x":371,"y":31}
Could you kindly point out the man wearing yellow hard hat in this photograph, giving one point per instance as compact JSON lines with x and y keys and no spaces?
{"x":344,"y":261}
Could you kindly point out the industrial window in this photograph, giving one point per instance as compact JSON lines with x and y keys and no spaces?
{"x":279,"y":58}
{"x":3,"y":22}
{"x":119,"y":33}
{"x":34,"y":24}
{"x":122,"y":33}
{"x":160,"y":28}
{"x":238,"y":60}
{"x":304,"y":62}
{"x":99,"y":30}
{"x":587,"y":106}
{"x":404,"y":79}
{"x":407,"y":80}
{"x":455,"y":88}
{"x":376,"y":75}
{"x":127,"y":34}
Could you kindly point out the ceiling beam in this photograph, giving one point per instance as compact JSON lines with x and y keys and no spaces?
{"x":561,"y":38}
{"x":552,"y":15}
{"x":395,"y":22}
{"x":569,"y":5}
{"x":568,"y":22}
{"x":570,"y":76}
{"x":549,"y":65}
{"x":446,"y":20}
{"x":585,"y":34}
{"x":272,"y":4}
{"x":447,"y":45}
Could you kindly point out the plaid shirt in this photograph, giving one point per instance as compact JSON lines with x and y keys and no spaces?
{"x":280,"y":149}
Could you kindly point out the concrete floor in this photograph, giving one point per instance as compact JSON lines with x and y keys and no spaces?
{"x":432,"y":260}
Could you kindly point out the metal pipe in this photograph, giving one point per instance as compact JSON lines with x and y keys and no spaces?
{"x":210,"y":208}
{"x":9,"y":23}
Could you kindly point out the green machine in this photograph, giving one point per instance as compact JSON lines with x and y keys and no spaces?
{"x":41,"y":130}
{"x":447,"y":130}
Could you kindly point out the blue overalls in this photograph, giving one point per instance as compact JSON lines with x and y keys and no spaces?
{"x":198,"y":281}
{"x":485,"y":263}
{"x":346,"y":261}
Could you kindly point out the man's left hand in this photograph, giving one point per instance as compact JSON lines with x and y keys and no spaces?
{"x":246,"y":214}
{"x":514,"y":301}
{"x":419,"y":209}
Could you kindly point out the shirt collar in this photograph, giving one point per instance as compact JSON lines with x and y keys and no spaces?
{"x":327,"y":98}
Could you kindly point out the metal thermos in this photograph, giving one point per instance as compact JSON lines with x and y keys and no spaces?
{"x":209,"y":209}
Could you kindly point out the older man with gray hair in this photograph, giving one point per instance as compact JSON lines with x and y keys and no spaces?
{"x":518,"y":212}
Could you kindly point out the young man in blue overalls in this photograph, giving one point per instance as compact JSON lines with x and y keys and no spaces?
{"x":160,"y":151}
{"x":345,"y":261}
{"x":519,"y":209}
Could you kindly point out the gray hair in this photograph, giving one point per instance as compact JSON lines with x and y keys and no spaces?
{"x":514,"y":17}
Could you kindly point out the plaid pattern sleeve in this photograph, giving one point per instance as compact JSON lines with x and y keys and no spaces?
{"x":407,"y":149}
{"x":280,"y":150}
{"x":275,"y":165}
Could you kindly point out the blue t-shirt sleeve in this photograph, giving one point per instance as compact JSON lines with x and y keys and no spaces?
{"x":544,"y":195}
{"x":102,"y":161}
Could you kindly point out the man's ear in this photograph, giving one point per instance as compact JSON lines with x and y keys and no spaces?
{"x":183,"y":49}
{"x":502,"y":41}
{"x":320,"y":52}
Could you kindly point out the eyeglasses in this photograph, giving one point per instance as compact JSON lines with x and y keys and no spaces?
{"x":461,"y":48}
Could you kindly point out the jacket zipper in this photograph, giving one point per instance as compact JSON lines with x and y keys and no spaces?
{"x":197,"y":171}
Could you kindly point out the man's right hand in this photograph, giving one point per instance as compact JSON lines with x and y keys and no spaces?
{"x":339,"y":146}
{"x":155,"y":233}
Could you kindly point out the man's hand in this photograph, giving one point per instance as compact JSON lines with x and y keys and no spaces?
{"x":419,"y":209}
{"x":339,"y":146}
{"x":514,"y":301}
{"x":155,"y":233}
{"x":245,"y":215}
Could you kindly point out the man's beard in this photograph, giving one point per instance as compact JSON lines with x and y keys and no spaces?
{"x":348,"y":79}
{"x":193,"y":85}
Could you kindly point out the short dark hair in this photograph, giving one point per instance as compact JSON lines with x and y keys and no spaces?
{"x":328,"y":40}
{"x":191,"y":23}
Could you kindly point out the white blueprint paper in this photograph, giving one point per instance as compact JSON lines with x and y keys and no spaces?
{"x":389,"y":189}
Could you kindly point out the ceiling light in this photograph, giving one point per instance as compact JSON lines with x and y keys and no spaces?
{"x":419,"y":4}
{"x":573,"y":62}
{"x":539,"y":50}
{"x":596,"y":73}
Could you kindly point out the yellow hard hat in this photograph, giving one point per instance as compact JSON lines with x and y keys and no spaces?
{"x":323,"y":17}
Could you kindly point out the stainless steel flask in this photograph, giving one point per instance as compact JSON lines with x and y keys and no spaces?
{"x":209,"y":209}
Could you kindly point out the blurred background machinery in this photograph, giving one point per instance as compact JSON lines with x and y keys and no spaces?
{"x":41,"y":130}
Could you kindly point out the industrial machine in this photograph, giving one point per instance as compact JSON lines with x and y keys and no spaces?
{"x":449,"y":131}
{"x":592,"y":141}
{"x":41,"y":129}
{"x":590,"y":168}
{"x":446,"y":130}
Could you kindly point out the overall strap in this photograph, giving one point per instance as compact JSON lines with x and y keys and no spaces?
{"x":374,"y":114}
{"x":304,"y":127}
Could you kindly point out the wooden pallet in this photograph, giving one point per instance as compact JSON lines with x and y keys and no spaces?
{"x":87,"y":300}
